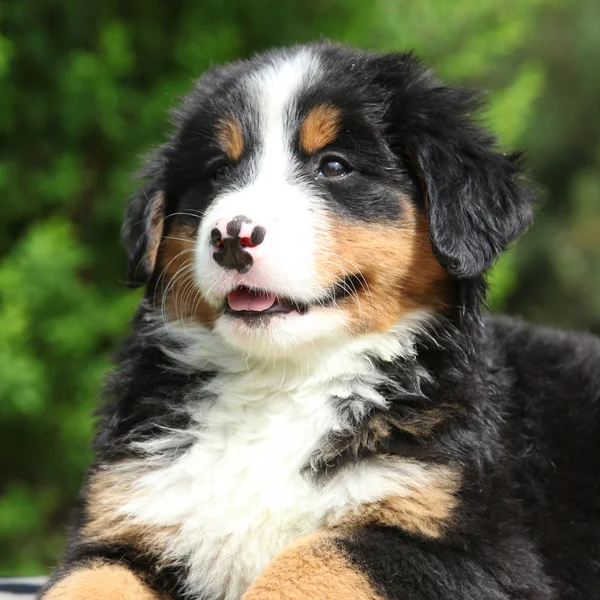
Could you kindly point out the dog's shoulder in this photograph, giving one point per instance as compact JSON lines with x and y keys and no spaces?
{"x":544,"y":352}
{"x":552,"y":403}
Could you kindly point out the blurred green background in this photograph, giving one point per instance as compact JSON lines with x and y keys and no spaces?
{"x":84,"y":88}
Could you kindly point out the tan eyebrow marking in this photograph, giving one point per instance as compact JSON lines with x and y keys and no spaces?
{"x":229,"y":134}
{"x":320,"y":127}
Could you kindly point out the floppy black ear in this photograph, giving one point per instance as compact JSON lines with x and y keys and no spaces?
{"x":474,"y":200}
{"x":142,"y":232}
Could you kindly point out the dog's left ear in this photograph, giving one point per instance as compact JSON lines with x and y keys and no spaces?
{"x":475,"y":198}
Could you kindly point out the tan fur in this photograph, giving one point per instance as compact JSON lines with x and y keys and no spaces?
{"x":422,"y":424}
{"x":229,"y":134}
{"x":424,"y":510}
{"x":401,"y":274}
{"x":107,"y":492}
{"x":320,"y":127}
{"x":157,"y":219}
{"x":309,"y":569}
{"x":156,"y":227}
{"x":101,"y":582}
{"x":379,"y":428}
{"x":176,"y":290}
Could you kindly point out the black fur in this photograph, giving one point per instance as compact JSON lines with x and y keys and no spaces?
{"x":520,"y":404}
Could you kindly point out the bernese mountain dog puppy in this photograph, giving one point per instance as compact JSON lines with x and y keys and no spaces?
{"x":311,"y":404}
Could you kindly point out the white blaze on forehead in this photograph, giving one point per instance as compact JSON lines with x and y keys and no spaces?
{"x":276,"y":91}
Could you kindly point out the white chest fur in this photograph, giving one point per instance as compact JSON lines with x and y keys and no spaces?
{"x":241,"y":491}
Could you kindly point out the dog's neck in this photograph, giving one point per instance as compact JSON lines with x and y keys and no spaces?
{"x":197,"y":348}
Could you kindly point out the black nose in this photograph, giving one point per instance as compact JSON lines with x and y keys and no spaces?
{"x":232,"y":249}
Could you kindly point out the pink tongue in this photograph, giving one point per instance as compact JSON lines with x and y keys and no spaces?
{"x":245,"y":299}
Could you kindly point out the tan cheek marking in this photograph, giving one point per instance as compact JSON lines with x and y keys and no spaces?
{"x":107,"y":493}
{"x":320,"y":127}
{"x":101,"y":582}
{"x":426,"y":510}
{"x":398,"y":265}
{"x":176,"y":289}
{"x":311,"y":568}
{"x":229,"y":134}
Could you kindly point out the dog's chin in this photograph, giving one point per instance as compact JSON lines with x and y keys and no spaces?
{"x":263,"y":324}
{"x":287,"y":333}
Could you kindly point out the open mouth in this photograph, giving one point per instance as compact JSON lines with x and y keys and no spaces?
{"x":248,"y":302}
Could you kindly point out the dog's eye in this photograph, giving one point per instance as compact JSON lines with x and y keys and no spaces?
{"x":333,"y":168}
{"x":222,"y":172}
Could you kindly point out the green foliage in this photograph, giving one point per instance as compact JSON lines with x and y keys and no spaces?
{"x":85,"y":89}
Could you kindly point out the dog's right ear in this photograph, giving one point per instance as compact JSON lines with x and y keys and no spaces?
{"x":142,"y":232}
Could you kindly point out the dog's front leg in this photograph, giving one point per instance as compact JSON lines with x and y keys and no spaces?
{"x":386,"y":563}
{"x":100,"y":581}
{"x":314,"y":567}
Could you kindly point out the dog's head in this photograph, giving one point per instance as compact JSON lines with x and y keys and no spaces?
{"x":320,"y":192}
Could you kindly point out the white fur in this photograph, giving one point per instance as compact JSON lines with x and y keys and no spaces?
{"x":273,"y":199}
{"x":241,"y":492}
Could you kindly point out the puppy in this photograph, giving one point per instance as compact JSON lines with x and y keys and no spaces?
{"x":310,"y":404}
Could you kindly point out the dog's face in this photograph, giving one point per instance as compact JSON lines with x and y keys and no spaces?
{"x":318,"y":194}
